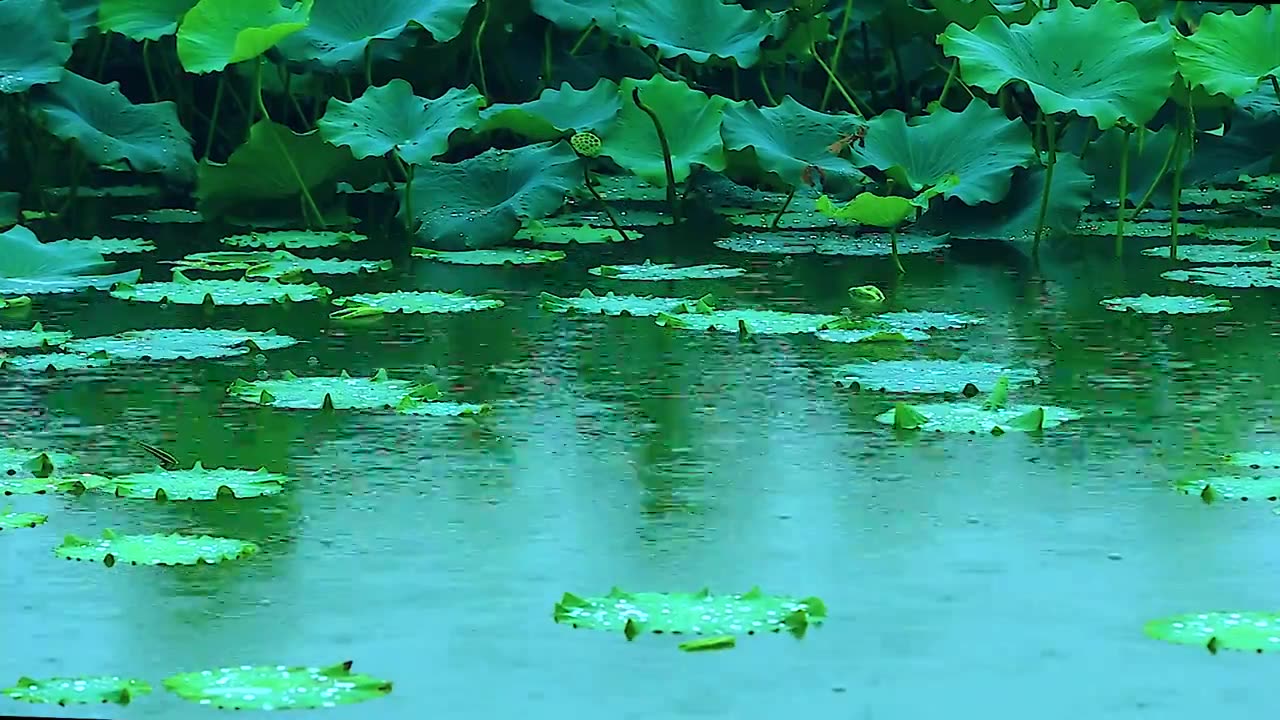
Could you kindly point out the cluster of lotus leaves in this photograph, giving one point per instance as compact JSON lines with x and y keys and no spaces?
{"x":154,"y":549}
{"x":698,"y":613}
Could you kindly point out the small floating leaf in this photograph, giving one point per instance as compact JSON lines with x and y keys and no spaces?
{"x":277,"y":687}
{"x":1170,"y":304}
{"x":666,"y":271}
{"x":86,"y":690}
{"x":30,"y":485}
{"x":758,"y":321}
{"x":695,"y":613}
{"x":17,"y":462}
{"x":1232,"y":487}
{"x":198,"y":483}
{"x":184,"y":291}
{"x":419,"y":302}
{"x":1229,"y":276}
{"x":547,"y":234}
{"x":107,"y":246}
{"x":496,"y":256}
{"x":906,"y":417}
{"x":929,"y":377}
{"x":13,"y":520}
{"x":154,"y":549}
{"x":610,"y":304}
{"x":36,"y":337}
{"x":162,"y":216}
{"x":181,"y":344}
{"x":52,"y":362}
{"x":1245,"y":630}
{"x":972,"y":418}
{"x":295,"y":239}
{"x":328,"y":392}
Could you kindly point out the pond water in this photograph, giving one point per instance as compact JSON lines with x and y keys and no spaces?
{"x":963,"y":574}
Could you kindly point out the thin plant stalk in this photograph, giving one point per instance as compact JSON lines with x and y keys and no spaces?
{"x":893,"y":248}
{"x":1275,"y":86}
{"x":951,"y":77}
{"x":546,"y":55}
{"x":1124,"y":193}
{"x":479,"y":56}
{"x":407,"y":170}
{"x":672,"y":199}
{"x":309,"y":203}
{"x":613,"y":219}
{"x":213,"y":120}
{"x":764,"y":85}
{"x":835,"y":56}
{"x":368,"y":65}
{"x":844,"y":92}
{"x":1164,"y":170}
{"x":577,"y":45}
{"x":1175,"y":207}
{"x":782,"y":210}
{"x":146,"y":67}
{"x":1051,"y":134}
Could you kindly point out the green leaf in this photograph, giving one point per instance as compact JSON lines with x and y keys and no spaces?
{"x":693,"y":613}
{"x":15,"y":520}
{"x":789,"y":139}
{"x":999,"y":396}
{"x":1245,"y":630}
{"x":544,"y":234}
{"x":557,"y":112}
{"x":29,"y":266}
{"x":1256,"y":460}
{"x":218,"y":33}
{"x":37,"y":46}
{"x":154,"y":549}
{"x":262,"y":169}
{"x":1232,"y":487}
{"x":106,"y":246}
{"x":183,"y":291}
{"x":871,"y":209}
{"x":796,"y":218}
{"x":974,"y":418}
{"x":1015,"y":216}
{"x":342,"y":392}
{"x":495,"y":256}
{"x":277,"y":687}
{"x":665,"y":272}
{"x":929,"y":377}
{"x":162,"y":216}
{"x":577,"y":15}
{"x":1231,"y":54}
{"x":440,"y":408}
{"x":719,"y":642}
{"x":391,"y":118}
{"x":340,"y":31}
{"x":978,"y":146}
{"x":84,"y":690}
{"x":419,"y":302}
{"x":24,"y":463}
{"x":1228,"y":276}
{"x":197,"y":483}
{"x":287,"y":266}
{"x":52,"y":362}
{"x":906,"y":417}
{"x":701,"y":30}
{"x":1168,"y":304}
{"x":691,"y":120}
{"x":491,"y":196}
{"x":142,"y":19}
{"x":36,"y":337}
{"x":831,"y":243}
{"x":181,"y":344}
{"x":873,"y":332}
{"x":294,"y":239}
{"x":1221,"y":197}
{"x":1259,"y":253}
{"x":57,"y":484}
{"x":928,"y":320}
{"x":1060,"y":55}
{"x":753,"y":322}
{"x":610,"y":304}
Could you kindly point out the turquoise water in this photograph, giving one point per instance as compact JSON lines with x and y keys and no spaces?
{"x":964,"y":575}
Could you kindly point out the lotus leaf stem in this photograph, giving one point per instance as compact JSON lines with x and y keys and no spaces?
{"x":582,"y":38}
{"x":309,"y":203}
{"x":1051,"y":132}
{"x":613,"y":219}
{"x":1183,"y":142}
{"x":831,"y":75}
{"x":672,"y":199}
{"x":213,"y":120}
{"x":546,"y":55}
{"x":764,"y":85}
{"x":102,"y":56}
{"x":476,"y":47}
{"x":1124,"y":192}
{"x":893,"y":248}
{"x":407,"y":169}
{"x":146,"y":68}
{"x":1160,"y":174}
{"x":785,"y":204}
{"x":835,"y":56}
{"x":946,"y":86}
{"x":368,"y":65}
{"x":1275,"y":86}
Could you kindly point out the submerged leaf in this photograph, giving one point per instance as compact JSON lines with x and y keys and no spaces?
{"x":154,"y":549}
{"x":277,"y":687}
{"x":694,"y":613}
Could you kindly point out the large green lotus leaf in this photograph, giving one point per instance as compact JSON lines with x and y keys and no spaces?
{"x":881,"y":211}
{"x":36,"y":337}
{"x":68,"y":484}
{"x":653,"y":272}
{"x":484,"y":201}
{"x":1231,"y":54}
{"x":557,"y":112}
{"x":579,"y":14}
{"x":832,"y":242}
{"x":1221,"y":254}
{"x":218,"y":33}
{"x":1015,"y":216}
{"x":418,"y":302}
{"x":294,"y":239}
{"x":1168,"y":304}
{"x":1232,"y":487}
{"x":181,"y":344}
{"x":28,"y":266}
{"x":330,"y":393}
{"x":609,"y":304}
{"x":82,"y":16}
{"x":142,"y":19}
{"x":22,"y":462}
{"x":1101,"y":61}
{"x":751,"y":322}
{"x":198,"y":483}
{"x":106,"y":246}
{"x":154,"y":549}
{"x":162,"y":216}
{"x":36,"y":47}
{"x":690,"y":119}
{"x":973,"y":417}
{"x":1228,"y":276}
{"x":184,"y":291}
{"x":263,"y":168}
{"x":277,"y":687}
{"x":340,"y":31}
{"x":699,"y":613}
{"x":86,"y":690}
{"x":929,"y":377}
{"x":1246,"y":630}
{"x":496,"y":256}
{"x":391,"y":118}
{"x":541,"y":233}
{"x":701,"y":30}
{"x":114,"y":132}
{"x":978,"y":145}
{"x":15,"y":520}
{"x":928,"y":320}
{"x":52,"y":362}
{"x":789,"y":139}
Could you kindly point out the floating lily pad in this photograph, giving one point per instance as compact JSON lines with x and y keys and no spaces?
{"x":418,"y":302}
{"x":1170,"y":304}
{"x":51,"y":362}
{"x":14,"y":520}
{"x":835,"y":242}
{"x":628,"y":189}
{"x":974,"y":417}
{"x":928,"y":320}
{"x":162,"y":216}
{"x":185,"y":291}
{"x":776,"y":243}
{"x":790,"y":220}
{"x":1232,"y":487}
{"x":108,"y":191}
{"x":294,"y":239}
{"x":108,"y":246}
{"x":693,"y":613}
{"x":610,"y":304}
{"x":331,"y":393}
{"x":36,"y":337}
{"x":755,"y":322}
{"x":19,"y":462}
{"x":277,"y":687}
{"x":496,"y":256}
{"x":628,"y":218}
{"x":181,"y":344}
{"x":883,"y":333}
{"x":544,"y":234}
{"x":440,"y":408}
{"x":1138,"y":229}
{"x":93,"y":689}
{"x":69,"y":484}
{"x":1248,"y":631}
{"x":666,"y":271}
{"x":1218,"y":196}
{"x":1221,"y":254}
{"x":154,"y":549}
{"x":1255,"y":459}
{"x":278,"y":264}
{"x":1229,"y":276}
{"x":929,"y":377}
{"x":1247,"y":235}
{"x":198,"y":483}
{"x":15,"y":303}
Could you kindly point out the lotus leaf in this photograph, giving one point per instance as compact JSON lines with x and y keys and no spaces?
{"x":1209,"y":197}
{"x":666,"y":271}
{"x":331,"y":393}
{"x":1246,"y":235}
{"x":93,"y":689}
{"x":294,"y":239}
{"x":106,"y":246}
{"x":789,"y":140}
{"x":1257,"y":460}
{"x":1248,"y":631}
{"x":701,"y":30}
{"x":82,"y":16}
{"x":184,"y":291}
{"x":610,"y":304}
{"x":1228,"y":276}
{"x":719,"y":642}
{"x":979,"y":146}
{"x":779,"y":243}
{"x":142,"y":19}
{"x":35,"y":53}
{"x":218,"y":33}
{"x":21,"y":462}
{"x":1264,"y":183}
{"x":272,"y":164}
{"x":690,"y":118}
{"x":1169,"y":304}
{"x":114,"y":132}
{"x":557,"y":112}
{"x":1231,"y":54}
{"x":162,"y":216}
{"x":627,"y":218}
{"x":15,"y":520}
{"x":1057,"y":55}
{"x":496,"y":256}
{"x":544,"y":234}
{"x":1131,"y":229}
{"x":1232,"y":487}
{"x":875,"y":333}
{"x":198,"y":483}
{"x":36,"y":337}
{"x":928,"y":320}
{"x":108,"y":191}
{"x":69,"y":484}
{"x":696,"y":613}
{"x":277,"y":687}
{"x":753,"y":322}
{"x":278,"y":264}
{"x":154,"y":549}
{"x":929,"y":377}
{"x":973,"y":417}
{"x":418,"y":302}
{"x":181,"y":344}
{"x":440,"y":408}
{"x":579,"y":14}
{"x":20,"y":303}
{"x":628,"y":188}
{"x":341,"y":31}
{"x":832,"y":243}
{"x":798,"y":219}
{"x":391,"y":118}
{"x":51,"y":362}
{"x":29,"y":266}
{"x":483,"y":201}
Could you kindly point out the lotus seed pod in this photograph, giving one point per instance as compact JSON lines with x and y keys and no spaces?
{"x":586,"y":144}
